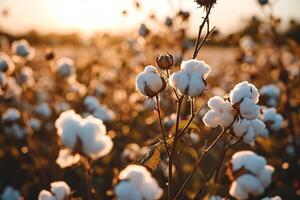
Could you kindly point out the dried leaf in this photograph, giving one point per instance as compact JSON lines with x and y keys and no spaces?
{"x":152,"y":158}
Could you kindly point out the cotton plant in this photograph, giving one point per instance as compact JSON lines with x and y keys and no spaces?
{"x":239,"y":112}
{"x":249,"y":173}
{"x":88,"y":133}
{"x":59,"y":190}
{"x":85,"y":140}
{"x":270,"y":94}
{"x":137,"y":183}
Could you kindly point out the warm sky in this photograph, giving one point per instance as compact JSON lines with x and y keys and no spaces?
{"x":87,"y":16}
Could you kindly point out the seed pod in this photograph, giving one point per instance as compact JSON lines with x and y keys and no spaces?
{"x":49,"y":54}
{"x":165,"y":61}
{"x":205,"y":3}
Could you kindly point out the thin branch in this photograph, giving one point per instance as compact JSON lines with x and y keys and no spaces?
{"x":173,"y":149}
{"x":161,"y":124}
{"x":195,"y":53}
{"x":205,"y":150}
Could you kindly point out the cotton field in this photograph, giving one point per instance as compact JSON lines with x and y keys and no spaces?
{"x":168,"y":110}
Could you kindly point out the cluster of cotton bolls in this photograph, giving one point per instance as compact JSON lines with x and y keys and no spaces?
{"x":10,"y":193}
{"x":11,"y":123}
{"x":59,"y":191}
{"x":136,"y":183}
{"x":270,"y":94}
{"x":191,"y":79}
{"x":250,"y":174}
{"x":89,"y":133}
{"x":98,"y":110}
{"x":240,"y":112}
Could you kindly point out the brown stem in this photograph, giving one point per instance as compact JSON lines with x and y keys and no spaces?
{"x":173,"y":149}
{"x":87,"y":169}
{"x":196,"y":50}
{"x":161,"y":124}
{"x":204,"y":151}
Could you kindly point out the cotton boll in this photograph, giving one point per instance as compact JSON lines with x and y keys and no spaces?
{"x":265,"y":175}
{"x":25,"y":77}
{"x":251,"y":174}
{"x":149,"y":82}
{"x":272,"y":91}
{"x":23,"y":49}
{"x":60,"y":190}
{"x":272,"y":198}
{"x":6,"y":65}
{"x":259,"y":128}
{"x":65,"y":67}
{"x":180,"y":81}
{"x":91,"y":102}
{"x":246,"y":43}
{"x":270,"y":116}
{"x":66,"y":158}
{"x":43,"y":110}
{"x":68,"y":125}
{"x":249,"y":160}
{"x":135,"y":173}
{"x":226,"y":119}
{"x":242,"y":90}
{"x":104,"y":113}
{"x":250,"y":184}
{"x":10,"y":193}
{"x":215,"y":103}
{"x":11,"y":115}
{"x":150,"y":189}
{"x":92,"y":135}
{"x":196,"y":87}
{"x":35,"y":124}
{"x":211,"y":119}
{"x":222,"y":113}
{"x":240,"y":127}
{"x":3,"y":80}
{"x":46,"y":195}
{"x":237,"y":191}
{"x":141,"y":181}
{"x":249,"y":109}
{"x":249,"y":136}
{"x":215,"y":198}
{"x":125,"y":190}
{"x":195,"y":67}
{"x":191,"y":79}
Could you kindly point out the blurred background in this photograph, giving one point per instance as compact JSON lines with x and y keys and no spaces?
{"x":72,"y":51}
